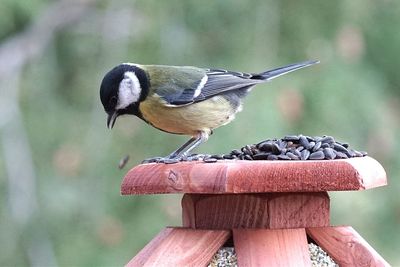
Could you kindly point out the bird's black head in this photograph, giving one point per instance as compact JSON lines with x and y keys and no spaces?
{"x":122,"y":89}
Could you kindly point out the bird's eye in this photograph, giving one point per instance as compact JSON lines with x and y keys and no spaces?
{"x":113,"y":101}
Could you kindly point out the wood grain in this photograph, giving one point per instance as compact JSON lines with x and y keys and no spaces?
{"x":346,"y":246}
{"x":180,"y":247}
{"x":267,"y":210}
{"x":283,"y":247}
{"x":255,"y":176}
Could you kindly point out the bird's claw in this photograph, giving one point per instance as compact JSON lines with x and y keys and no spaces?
{"x":166,"y":160}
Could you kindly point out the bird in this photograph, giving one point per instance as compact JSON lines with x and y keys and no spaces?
{"x":183,"y":100}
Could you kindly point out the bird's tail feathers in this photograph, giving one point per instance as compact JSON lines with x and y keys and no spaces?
{"x":271,"y":74}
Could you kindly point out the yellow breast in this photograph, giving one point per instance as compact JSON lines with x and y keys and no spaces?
{"x":190,"y":119}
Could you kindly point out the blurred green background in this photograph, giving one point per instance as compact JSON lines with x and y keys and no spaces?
{"x":60,"y":200}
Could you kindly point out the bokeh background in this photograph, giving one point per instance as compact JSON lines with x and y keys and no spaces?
{"x":59,"y":186}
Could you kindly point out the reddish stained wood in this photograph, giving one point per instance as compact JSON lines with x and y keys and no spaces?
{"x":297,"y":210}
{"x":346,"y":246}
{"x":267,"y":210}
{"x":255,"y":176}
{"x":279,"y":247}
{"x":180,"y":247}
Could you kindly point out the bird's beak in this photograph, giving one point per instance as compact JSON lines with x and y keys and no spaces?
{"x":112,"y":117}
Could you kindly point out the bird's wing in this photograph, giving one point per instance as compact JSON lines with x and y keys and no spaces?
{"x":219,"y":81}
{"x":180,"y":86}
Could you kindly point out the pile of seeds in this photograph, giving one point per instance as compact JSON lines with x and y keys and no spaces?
{"x":226,"y":257}
{"x":290,"y":147}
{"x":319,"y":258}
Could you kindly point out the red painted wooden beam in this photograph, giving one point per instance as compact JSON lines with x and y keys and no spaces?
{"x":240,"y":176}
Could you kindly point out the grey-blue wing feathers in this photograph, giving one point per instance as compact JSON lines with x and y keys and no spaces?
{"x":219,"y":81}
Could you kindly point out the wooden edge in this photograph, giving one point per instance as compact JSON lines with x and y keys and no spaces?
{"x":188,"y":204}
{"x":279,"y":247}
{"x":181,"y":247}
{"x":346,"y":246}
{"x":263,"y":210}
{"x":370,"y":173}
{"x":240,"y":176}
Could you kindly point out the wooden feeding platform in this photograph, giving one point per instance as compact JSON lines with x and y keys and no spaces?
{"x":269,"y":209}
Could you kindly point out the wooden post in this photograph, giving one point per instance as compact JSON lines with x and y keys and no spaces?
{"x":263,"y":210}
{"x":269,"y":208}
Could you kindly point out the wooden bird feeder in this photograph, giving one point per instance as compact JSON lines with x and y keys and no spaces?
{"x":269,"y":209}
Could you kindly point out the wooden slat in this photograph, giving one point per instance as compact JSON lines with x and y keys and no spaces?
{"x":240,"y":176}
{"x":298,"y":210}
{"x":346,"y":246}
{"x":180,"y":247}
{"x":266,"y":210}
{"x":284,"y":247}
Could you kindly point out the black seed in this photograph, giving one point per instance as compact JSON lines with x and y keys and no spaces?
{"x":123,"y":162}
{"x":346,"y":145}
{"x":236,"y":152}
{"x":276,"y":149}
{"x":329,"y":153}
{"x":291,"y":138}
{"x":304,"y":142}
{"x":311,"y":145}
{"x":228,"y":156}
{"x":304,"y":154}
{"x":216,"y":156}
{"x":340,"y":148}
{"x":247,"y":150}
{"x":170,"y":161}
{"x":272,"y":157}
{"x":325,"y":145}
{"x":281,"y":144}
{"x":297,"y":153}
{"x":300,"y":148}
{"x":340,"y":155}
{"x":261,"y":156}
{"x":248,"y":157}
{"x":266,"y":146}
{"x":310,"y":139}
{"x":317,"y":146}
{"x":283,"y":157}
{"x":350,"y":153}
{"x":358,"y":154}
{"x":317,"y":155}
{"x":292,"y":156}
{"x":210,"y":160}
{"x":327,"y":139}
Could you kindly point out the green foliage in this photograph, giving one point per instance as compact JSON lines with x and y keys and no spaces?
{"x":353,"y":95}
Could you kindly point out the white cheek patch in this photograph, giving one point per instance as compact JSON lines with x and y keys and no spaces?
{"x":129,"y":90}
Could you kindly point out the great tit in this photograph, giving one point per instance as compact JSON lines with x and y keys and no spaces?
{"x":181,"y":99}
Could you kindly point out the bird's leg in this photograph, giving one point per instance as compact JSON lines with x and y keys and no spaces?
{"x":182,"y":148}
{"x":201,"y":138}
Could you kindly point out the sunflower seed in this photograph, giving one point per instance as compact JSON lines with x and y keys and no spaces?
{"x":292,"y":156}
{"x":329,"y":153}
{"x":272,"y":157}
{"x":283,"y":157}
{"x":261,"y":156}
{"x":327,"y":139}
{"x":317,"y":146}
{"x":170,"y":161}
{"x":304,"y":154}
{"x":291,"y":138}
{"x":339,"y":147}
{"x":317,"y":155}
